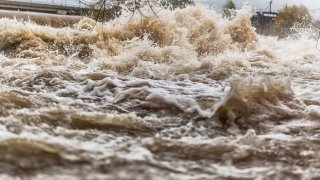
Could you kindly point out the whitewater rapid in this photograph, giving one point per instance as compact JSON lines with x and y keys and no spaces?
{"x":185,"y":95}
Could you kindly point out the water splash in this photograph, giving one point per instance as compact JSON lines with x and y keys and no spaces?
{"x":186,"y":95}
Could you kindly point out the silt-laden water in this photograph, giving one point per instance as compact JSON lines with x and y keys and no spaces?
{"x":188,"y":95}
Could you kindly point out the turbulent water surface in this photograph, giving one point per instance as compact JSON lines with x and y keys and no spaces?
{"x":186,"y":95}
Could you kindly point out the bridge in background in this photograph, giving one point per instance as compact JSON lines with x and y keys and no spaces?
{"x":65,"y":7}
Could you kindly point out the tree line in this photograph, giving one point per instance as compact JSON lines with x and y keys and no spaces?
{"x":100,"y":10}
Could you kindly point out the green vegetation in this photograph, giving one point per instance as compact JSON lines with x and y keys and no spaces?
{"x":173,"y":4}
{"x":228,"y":9}
{"x":101,"y":12}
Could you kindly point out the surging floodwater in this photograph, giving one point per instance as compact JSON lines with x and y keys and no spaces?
{"x":188,"y":95}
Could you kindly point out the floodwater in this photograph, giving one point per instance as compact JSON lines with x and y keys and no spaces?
{"x":53,"y":20}
{"x":186,"y":95}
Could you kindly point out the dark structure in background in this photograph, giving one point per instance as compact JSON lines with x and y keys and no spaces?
{"x":263,"y":22}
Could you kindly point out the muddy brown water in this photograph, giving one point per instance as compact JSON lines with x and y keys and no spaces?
{"x":53,"y":20}
{"x":188,"y":95}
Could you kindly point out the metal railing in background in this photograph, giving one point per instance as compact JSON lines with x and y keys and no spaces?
{"x":67,"y":3}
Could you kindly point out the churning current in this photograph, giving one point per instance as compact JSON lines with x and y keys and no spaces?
{"x":186,"y":95}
